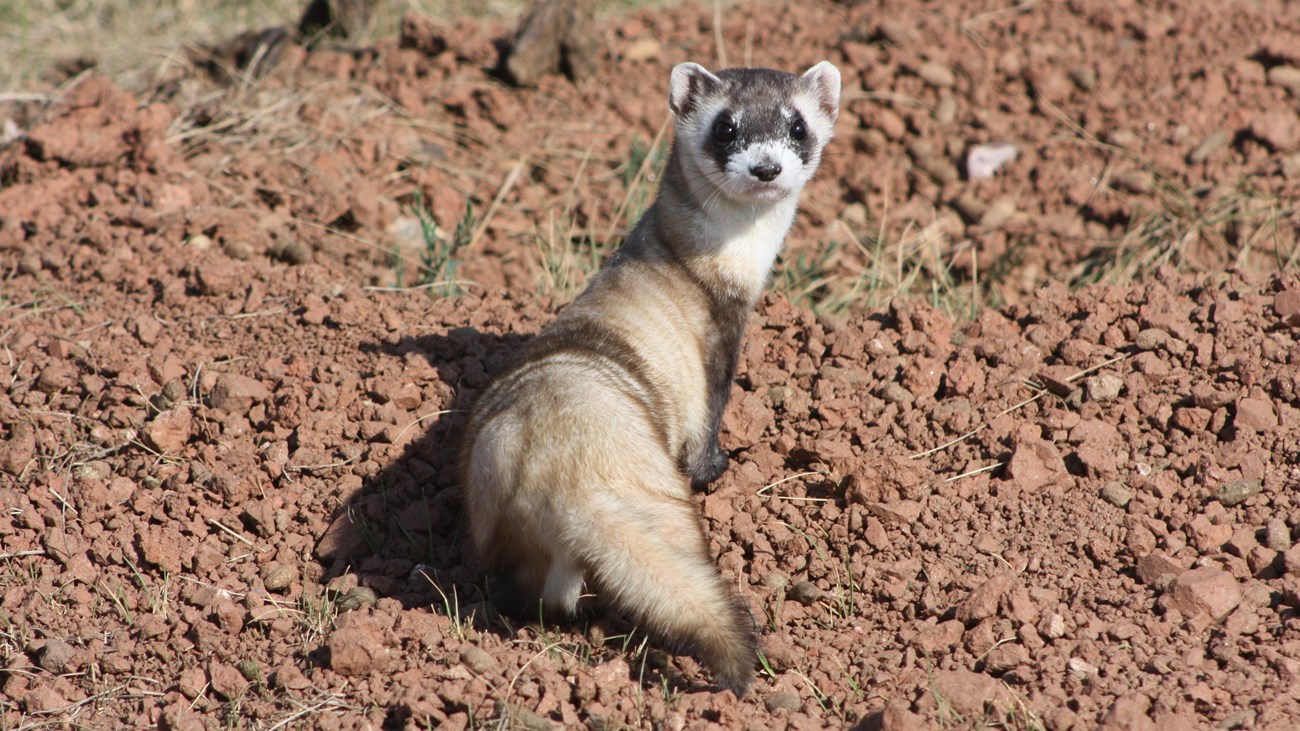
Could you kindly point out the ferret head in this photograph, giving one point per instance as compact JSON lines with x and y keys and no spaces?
{"x":755,"y":135}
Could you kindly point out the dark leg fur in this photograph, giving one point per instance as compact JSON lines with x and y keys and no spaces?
{"x":709,"y":467}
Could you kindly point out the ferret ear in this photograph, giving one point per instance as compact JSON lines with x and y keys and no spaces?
{"x":823,"y":81}
{"x":689,"y":81}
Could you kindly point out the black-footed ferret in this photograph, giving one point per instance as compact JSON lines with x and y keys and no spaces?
{"x":578,"y":462}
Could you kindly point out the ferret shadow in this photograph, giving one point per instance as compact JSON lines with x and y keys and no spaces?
{"x":402,"y":535}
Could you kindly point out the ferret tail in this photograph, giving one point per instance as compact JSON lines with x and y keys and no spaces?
{"x":648,"y":557}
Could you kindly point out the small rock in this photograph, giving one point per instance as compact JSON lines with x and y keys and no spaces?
{"x":1005,"y":657}
{"x":1213,"y":142}
{"x":477,"y":660}
{"x":1235,"y":493}
{"x":805,"y":592}
{"x":1116,"y":494}
{"x":1279,"y":129}
{"x":1084,"y":78}
{"x":43,"y":699}
{"x":896,"y":512}
{"x":1208,"y":537}
{"x":250,"y":669}
{"x":1255,"y":414}
{"x":1035,"y":463}
{"x":277,"y":576}
{"x":357,"y":650}
{"x":1287,"y":77}
{"x":238,"y":249}
{"x":997,"y":214}
{"x":983,"y":602}
{"x":1054,"y":626}
{"x":56,"y":656}
{"x":1137,"y":182}
{"x":1103,"y":387}
{"x":982,"y":161}
{"x":1128,"y":713}
{"x":897,"y":32}
{"x":965,"y":691}
{"x":1287,"y":306}
{"x":235,"y":393}
{"x":513,"y":715}
{"x":1157,"y":570}
{"x":642,"y":49}
{"x":1276,"y":535}
{"x":356,"y":598}
{"x":782,"y":702}
{"x":226,"y":681}
{"x":1081,"y":669}
{"x":776,"y":580}
{"x":192,"y":682}
{"x":1207,"y":589}
{"x":940,"y":638}
{"x":170,"y":430}
{"x":217,"y":278}
{"x":1150,"y":339}
{"x":936,"y":74}
{"x":292,"y":252}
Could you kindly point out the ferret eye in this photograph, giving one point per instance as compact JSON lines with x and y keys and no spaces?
{"x":724,"y":130}
{"x":799,"y":130}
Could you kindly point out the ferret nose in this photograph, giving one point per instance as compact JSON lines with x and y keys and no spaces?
{"x":766,"y":172}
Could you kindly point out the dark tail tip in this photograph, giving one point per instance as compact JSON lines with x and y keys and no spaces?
{"x":733,"y":661}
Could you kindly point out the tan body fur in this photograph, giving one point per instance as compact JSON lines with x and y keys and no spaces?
{"x":579,"y":461}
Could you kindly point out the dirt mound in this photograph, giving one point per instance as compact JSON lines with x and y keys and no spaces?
{"x":227,"y":466}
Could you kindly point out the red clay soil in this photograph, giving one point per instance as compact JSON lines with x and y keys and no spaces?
{"x":227,"y":469}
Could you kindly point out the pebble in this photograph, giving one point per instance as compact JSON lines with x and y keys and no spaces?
{"x":357,"y":597}
{"x":1208,"y":589}
{"x":238,"y":249}
{"x":782,"y":702}
{"x":983,"y":602}
{"x":982,"y":161}
{"x":1150,"y":338}
{"x":1235,"y":493}
{"x":642,"y":49}
{"x":236,"y":393}
{"x":170,"y":431}
{"x":1276,"y":535}
{"x":896,"y":32}
{"x":1287,"y":306}
{"x":56,"y":656}
{"x":965,"y":691}
{"x":1255,"y":414}
{"x":513,"y":715}
{"x":477,"y":660}
{"x":936,"y":74}
{"x":1084,"y":78}
{"x":1116,"y":494}
{"x":292,"y":252}
{"x":1287,"y":77}
{"x":1103,"y":387}
{"x":1213,"y":142}
{"x":1279,"y":129}
{"x":250,"y":669}
{"x":1138,"y":182}
{"x":997,"y":214}
{"x":805,"y":592}
{"x":278,"y":576}
{"x":940,"y":638}
{"x":1081,"y":669}
{"x":776,"y":580}
{"x":1157,"y":570}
